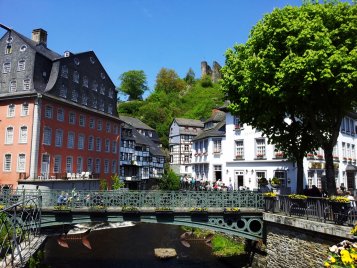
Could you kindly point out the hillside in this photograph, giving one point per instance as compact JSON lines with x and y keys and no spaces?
{"x":159,"y":109}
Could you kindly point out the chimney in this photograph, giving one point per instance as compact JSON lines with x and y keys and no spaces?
{"x":40,"y":36}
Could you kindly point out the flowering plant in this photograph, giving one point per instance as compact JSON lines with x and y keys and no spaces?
{"x":270,"y":194}
{"x":344,"y":254}
{"x":339,"y":199}
{"x":297,"y":196}
{"x":260,"y":155}
{"x":354,"y":230}
{"x":231,"y":209}
{"x":198,"y":210}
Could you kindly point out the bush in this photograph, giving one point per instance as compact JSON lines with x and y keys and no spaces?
{"x":206,"y":81}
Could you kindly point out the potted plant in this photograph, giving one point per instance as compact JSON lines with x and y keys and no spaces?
{"x":310,"y":155}
{"x":275,"y":182}
{"x":269,"y":201}
{"x":198,"y":210}
{"x":259,"y":156}
{"x":342,"y":254}
{"x":163,"y":210}
{"x":239,"y":156}
{"x":231,"y":210}
{"x":98,"y":208}
{"x":61,"y":209}
{"x":298,"y":200}
{"x":340,"y":205}
{"x":130,"y":210}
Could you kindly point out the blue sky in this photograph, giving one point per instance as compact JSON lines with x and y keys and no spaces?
{"x":141,"y":34}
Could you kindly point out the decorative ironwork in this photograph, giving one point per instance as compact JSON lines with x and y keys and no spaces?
{"x":20,"y":237}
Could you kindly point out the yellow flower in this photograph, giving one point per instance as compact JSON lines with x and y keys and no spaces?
{"x":326,"y":264}
{"x":345,"y":257}
{"x":332,"y":259}
{"x":353,"y":255}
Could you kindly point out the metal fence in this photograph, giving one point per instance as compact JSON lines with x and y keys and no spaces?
{"x":313,"y":208}
{"x":20,"y":218}
{"x":139,"y":199}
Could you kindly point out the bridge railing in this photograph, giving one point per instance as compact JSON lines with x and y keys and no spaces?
{"x":139,"y":199}
{"x":19,"y":229}
{"x":314,"y":208}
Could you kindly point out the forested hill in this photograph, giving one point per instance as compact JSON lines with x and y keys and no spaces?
{"x":162,"y":106}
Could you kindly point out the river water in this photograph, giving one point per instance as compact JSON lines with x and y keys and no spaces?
{"x":132,"y":247}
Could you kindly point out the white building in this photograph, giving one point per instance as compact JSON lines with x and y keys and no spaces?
{"x":240,"y":155}
{"x":182,"y":131}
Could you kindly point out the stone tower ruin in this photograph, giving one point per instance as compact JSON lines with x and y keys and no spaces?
{"x":214,"y":73}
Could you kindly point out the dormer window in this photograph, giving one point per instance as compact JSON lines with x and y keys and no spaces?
{"x":6,"y":67}
{"x":8,"y":49}
{"x":94,"y":103}
{"x":12,"y":87}
{"x":110,"y":93}
{"x":21,"y":65}
{"x":95,"y":86}
{"x":101,"y":105}
{"x":85,"y":81}
{"x":27,"y":84}
{"x":23,"y":48}
{"x":102,"y":89}
{"x":76,"y":61}
{"x":63,"y":91}
{"x":75,"y":77}
{"x":74,"y":95}
{"x":64,"y":71}
{"x":84,"y":99}
{"x":110,"y":109}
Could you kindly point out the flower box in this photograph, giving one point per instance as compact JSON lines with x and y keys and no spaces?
{"x":61,"y":209}
{"x":199,"y":211}
{"x":130,"y":210}
{"x":231,"y":211}
{"x":163,"y":211}
{"x":239,"y":156}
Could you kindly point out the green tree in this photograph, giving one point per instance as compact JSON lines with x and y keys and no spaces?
{"x":168,"y":81}
{"x":133,"y":83}
{"x":190,"y":77}
{"x":298,"y":63}
{"x":116,"y":182}
{"x":169,"y":180}
{"x":206,"y":81}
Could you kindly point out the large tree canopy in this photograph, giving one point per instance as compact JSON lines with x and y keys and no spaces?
{"x":167,"y":80}
{"x":133,"y":83}
{"x":298,"y":63}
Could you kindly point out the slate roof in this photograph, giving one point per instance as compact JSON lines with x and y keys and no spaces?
{"x":189,"y":122}
{"x":141,"y":139}
{"x":217,"y":117}
{"x":39,"y":48}
{"x":136,"y":123}
{"x":219,"y":130}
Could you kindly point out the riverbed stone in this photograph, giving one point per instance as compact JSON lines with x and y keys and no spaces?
{"x":165,"y":253}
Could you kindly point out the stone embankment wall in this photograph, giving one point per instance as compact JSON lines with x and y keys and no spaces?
{"x":293,"y":242}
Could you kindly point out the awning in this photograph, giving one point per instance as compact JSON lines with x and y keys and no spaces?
{"x":350,"y":167}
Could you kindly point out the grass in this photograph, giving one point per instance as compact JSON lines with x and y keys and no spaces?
{"x":223,"y":246}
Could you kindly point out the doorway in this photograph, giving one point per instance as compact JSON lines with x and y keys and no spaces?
{"x":238,"y":179}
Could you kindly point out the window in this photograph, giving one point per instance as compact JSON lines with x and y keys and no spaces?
{"x":114,"y":147}
{"x":114,"y":166}
{"x":23,"y":48}
{"x":110,"y":93}
{"x":9,"y":138}
{"x":23,"y":134}
{"x":217,"y":146}
{"x":239,"y":150}
{"x":84,"y":99}
{"x":7,"y":162}
{"x":63,"y":91}
{"x":69,"y":164}
{"x":11,"y":110}
{"x":99,"y":125}
{"x":108,"y":127}
{"x":8,"y":49}
{"x":70,"y":141}
{"x":94,"y":103}
{"x":102,"y":89}
{"x":57,"y":164}
{"x":101,"y":105}
{"x":6,"y":67}
{"x":90,"y":143}
{"x":106,"y":166}
{"x":217,"y":172}
{"x":13,"y":86}
{"x":79,"y":164}
{"x":310,"y":177}
{"x":59,"y":138}
{"x":260,"y":174}
{"x":97,"y":165}
{"x":24,"y":109}
{"x":85,"y":81}
{"x":75,"y":77}
{"x":80,"y":141}
{"x":344,"y":149}
{"x":107,"y":146}
{"x":237,"y":124}
{"x":21,"y":65}
{"x":64,"y":71}
{"x":48,"y":111}
{"x":116,"y":129}
{"x":60,"y":114}
{"x":76,"y":61}
{"x":281,"y":175}
{"x":95,"y":86}
{"x":89,"y":164}
{"x":47,"y":135}
{"x":353,"y":152}
{"x":21,"y":161}
{"x":260,"y":148}
{"x":110,"y":108}
{"x":98,"y":144}
{"x":82,"y":120}
{"x":27,"y":84}
{"x":74,"y":95}
{"x":72,"y":118}
{"x":91,"y":123}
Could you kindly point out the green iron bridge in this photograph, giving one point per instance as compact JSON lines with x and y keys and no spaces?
{"x":233,"y":212}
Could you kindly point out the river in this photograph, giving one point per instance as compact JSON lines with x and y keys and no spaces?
{"x":132,"y":247}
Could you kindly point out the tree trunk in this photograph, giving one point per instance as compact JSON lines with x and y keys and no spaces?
{"x":330,"y":170}
{"x":300,"y":175}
